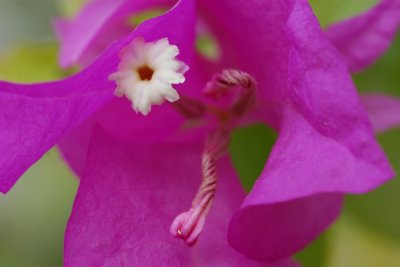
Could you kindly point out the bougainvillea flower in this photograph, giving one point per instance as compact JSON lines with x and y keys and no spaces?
{"x":139,"y":174}
{"x":361,"y":41}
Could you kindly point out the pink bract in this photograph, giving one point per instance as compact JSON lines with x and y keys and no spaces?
{"x":362,"y":40}
{"x":383,"y":110}
{"x":137,"y":173}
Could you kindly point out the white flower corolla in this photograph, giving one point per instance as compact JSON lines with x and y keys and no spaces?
{"x":146,"y":73}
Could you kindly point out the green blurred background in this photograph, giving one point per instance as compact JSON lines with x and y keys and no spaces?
{"x":34,"y":214}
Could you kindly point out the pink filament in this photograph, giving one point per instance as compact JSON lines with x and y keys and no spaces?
{"x":188,"y":225}
{"x":222,"y":83}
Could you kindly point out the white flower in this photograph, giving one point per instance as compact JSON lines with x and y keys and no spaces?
{"x":146,"y":73}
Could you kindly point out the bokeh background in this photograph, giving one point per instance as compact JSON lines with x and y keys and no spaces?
{"x":34,"y":214}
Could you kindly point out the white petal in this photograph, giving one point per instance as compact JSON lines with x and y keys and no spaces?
{"x":170,"y":77}
{"x":160,"y":57}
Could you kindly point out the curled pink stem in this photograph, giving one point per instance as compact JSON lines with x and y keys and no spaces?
{"x":188,"y":225}
{"x":222,"y":83}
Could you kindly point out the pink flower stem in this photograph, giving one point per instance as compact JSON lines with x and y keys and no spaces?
{"x":222,"y":84}
{"x":188,"y":225}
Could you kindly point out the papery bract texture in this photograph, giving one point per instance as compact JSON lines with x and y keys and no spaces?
{"x":128,"y":197}
{"x":364,"y":38}
{"x":37,"y":116}
{"x":140,"y":172}
{"x":325,"y":146}
{"x":100,"y":21}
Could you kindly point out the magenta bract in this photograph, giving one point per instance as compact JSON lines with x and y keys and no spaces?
{"x":137,"y":172}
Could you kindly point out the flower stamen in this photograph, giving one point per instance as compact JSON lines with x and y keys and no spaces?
{"x":222,"y":84}
{"x":188,"y":225}
{"x":190,"y":108}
